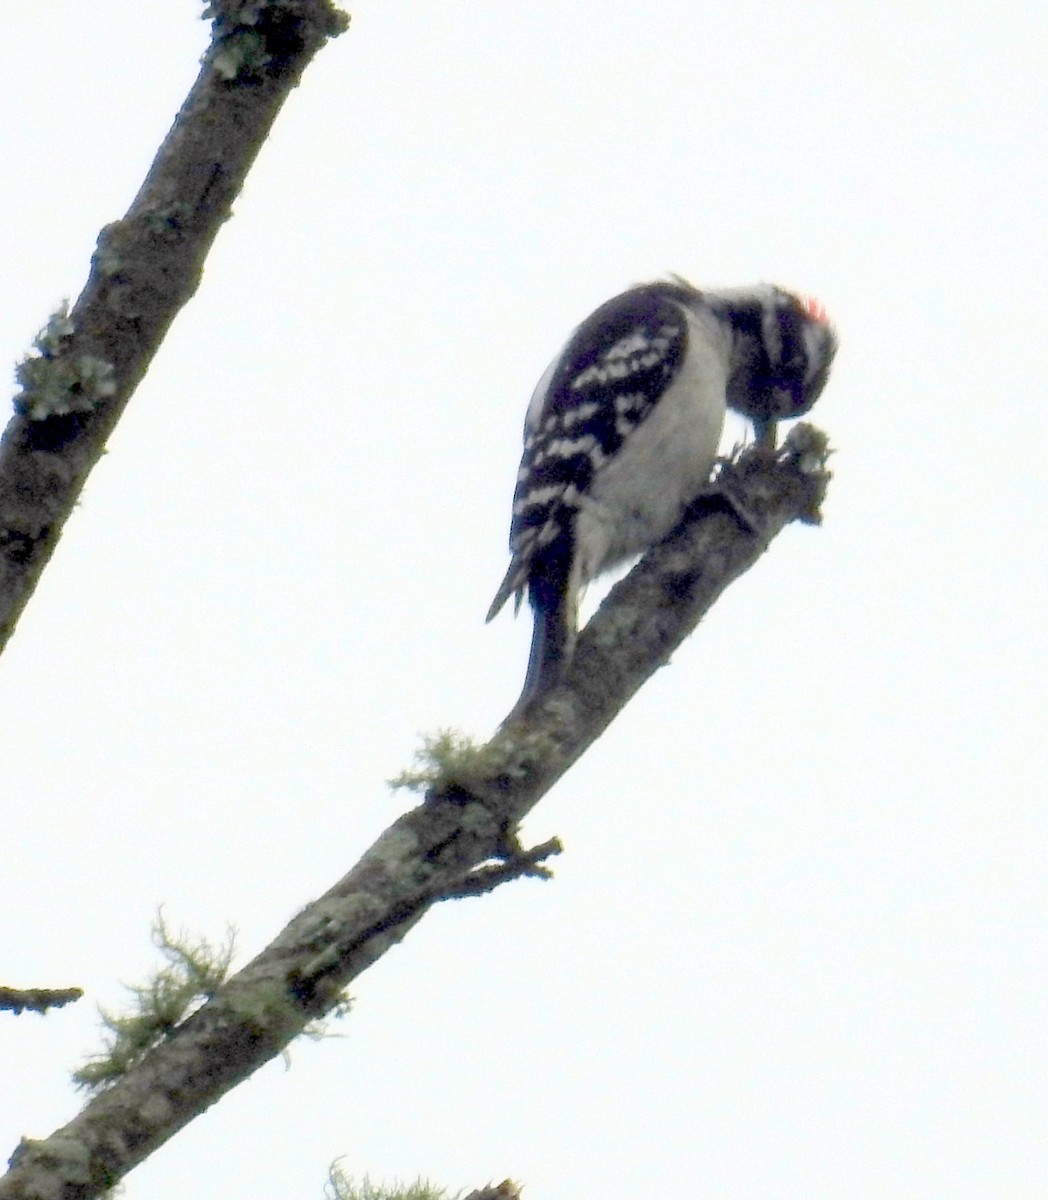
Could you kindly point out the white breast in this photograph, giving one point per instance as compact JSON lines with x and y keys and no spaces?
{"x":640,"y":494}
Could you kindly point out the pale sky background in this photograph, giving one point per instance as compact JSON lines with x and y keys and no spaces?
{"x":797,"y":947}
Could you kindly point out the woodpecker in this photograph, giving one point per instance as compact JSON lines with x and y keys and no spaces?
{"x":622,"y":432}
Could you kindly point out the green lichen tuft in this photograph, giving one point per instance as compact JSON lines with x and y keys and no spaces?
{"x":342,"y":1186}
{"x":809,"y":446}
{"x":228,"y":14}
{"x":195,"y":970}
{"x":320,"y":1029}
{"x":252,"y":37}
{"x":59,"y":327}
{"x":447,"y":758}
{"x":54,"y":380}
{"x":243,"y":53}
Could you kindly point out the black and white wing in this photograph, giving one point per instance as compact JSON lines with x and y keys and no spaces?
{"x":620,"y":434}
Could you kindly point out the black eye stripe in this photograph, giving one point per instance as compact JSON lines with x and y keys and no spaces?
{"x":791,"y":330}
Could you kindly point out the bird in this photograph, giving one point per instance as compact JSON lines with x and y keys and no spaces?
{"x":622,"y":431}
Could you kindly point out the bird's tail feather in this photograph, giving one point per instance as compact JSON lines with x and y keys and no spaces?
{"x":552,"y":645}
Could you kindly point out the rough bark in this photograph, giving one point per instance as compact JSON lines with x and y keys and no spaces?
{"x":145,"y":268}
{"x":460,"y":841}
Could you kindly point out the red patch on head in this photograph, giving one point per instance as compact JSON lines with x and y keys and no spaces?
{"x":813,"y":309}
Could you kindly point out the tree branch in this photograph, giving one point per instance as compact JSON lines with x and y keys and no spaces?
{"x":145,"y":268}
{"x":439,"y":849}
{"x":19,"y":1000}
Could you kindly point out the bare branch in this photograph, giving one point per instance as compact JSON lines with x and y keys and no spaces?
{"x":518,"y":864}
{"x":145,"y":268}
{"x":19,"y":1000}
{"x":438,"y":850}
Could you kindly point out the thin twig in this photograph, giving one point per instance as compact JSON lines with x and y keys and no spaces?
{"x":18,"y":1000}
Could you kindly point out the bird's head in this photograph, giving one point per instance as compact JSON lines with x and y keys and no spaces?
{"x":783,"y":347}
